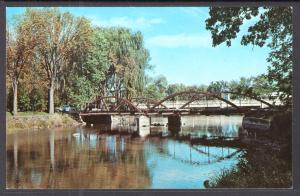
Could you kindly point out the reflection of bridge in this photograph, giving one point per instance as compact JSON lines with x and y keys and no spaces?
{"x":196,"y":154}
{"x":195,"y":101}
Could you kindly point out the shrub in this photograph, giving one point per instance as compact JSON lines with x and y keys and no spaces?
{"x":37,"y":100}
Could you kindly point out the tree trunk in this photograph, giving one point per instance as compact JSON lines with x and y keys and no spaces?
{"x":15,"y":99}
{"x":51,"y":98}
{"x":104,"y":89}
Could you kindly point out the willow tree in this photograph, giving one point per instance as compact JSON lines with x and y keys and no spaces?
{"x":19,"y":53}
{"x":59,"y":37}
{"x":120,"y":57}
{"x":272,"y":28}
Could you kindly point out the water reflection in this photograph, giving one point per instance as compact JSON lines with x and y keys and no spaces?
{"x":219,"y":125}
{"x":88,"y":158}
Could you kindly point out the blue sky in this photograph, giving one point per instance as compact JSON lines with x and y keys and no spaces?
{"x":179,"y":45}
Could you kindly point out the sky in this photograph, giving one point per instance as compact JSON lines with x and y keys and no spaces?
{"x":180,"y":46}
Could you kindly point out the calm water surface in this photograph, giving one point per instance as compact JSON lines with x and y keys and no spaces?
{"x":87,"y":158}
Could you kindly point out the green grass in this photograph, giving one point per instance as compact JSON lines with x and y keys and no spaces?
{"x":49,"y":121}
{"x":8,"y":114}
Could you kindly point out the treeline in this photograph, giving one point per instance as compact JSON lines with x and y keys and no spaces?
{"x":158,"y":87}
{"x":55,"y":58}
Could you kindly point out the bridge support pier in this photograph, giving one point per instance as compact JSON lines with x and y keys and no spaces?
{"x":143,"y":125}
{"x":174,"y":123}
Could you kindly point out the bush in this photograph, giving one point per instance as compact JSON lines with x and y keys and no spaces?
{"x":257,"y":169}
{"x":37,"y":100}
{"x":23,"y":99}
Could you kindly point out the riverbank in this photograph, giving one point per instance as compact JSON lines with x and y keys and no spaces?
{"x":262,"y":166}
{"x":38,"y":120}
{"x":257,"y":169}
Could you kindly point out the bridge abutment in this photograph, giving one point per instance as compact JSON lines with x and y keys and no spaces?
{"x":95,"y":119}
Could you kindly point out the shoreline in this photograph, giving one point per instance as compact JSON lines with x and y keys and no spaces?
{"x":14,"y":123}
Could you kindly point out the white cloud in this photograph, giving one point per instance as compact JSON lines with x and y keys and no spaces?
{"x":180,"y":40}
{"x":125,"y":21}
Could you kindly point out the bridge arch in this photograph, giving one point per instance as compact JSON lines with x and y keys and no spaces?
{"x":121,"y":102}
{"x":239,"y":94}
{"x":198,"y":93}
{"x":250,"y":96}
{"x":191,"y":101}
{"x":148,"y":101}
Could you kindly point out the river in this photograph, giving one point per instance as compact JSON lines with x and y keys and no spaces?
{"x":88,"y":158}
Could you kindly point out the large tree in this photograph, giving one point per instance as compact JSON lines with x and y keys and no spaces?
{"x":19,"y":52}
{"x":61,"y":38}
{"x":272,"y":28}
{"x":120,"y":57}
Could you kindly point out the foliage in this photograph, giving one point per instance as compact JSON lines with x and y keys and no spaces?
{"x":255,"y":171}
{"x":122,"y":59}
{"x":156,"y":88}
{"x":24,"y":100}
{"x":68,"y":56}
{"x":273,"y":28}
{"x":37,"y":100}
{"x":81,"y":92}
{"x":60,"y":43}
{"x":152,"y":92}
{"x":175,"y":88}
{"x":76,"y":62}
{"x":19,"y":51}
{"x":217,"y":87}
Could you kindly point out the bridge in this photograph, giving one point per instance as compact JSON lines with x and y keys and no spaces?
{"x":139,"y":110}
{"x":195,"y":101}
{"x":143,"y":113}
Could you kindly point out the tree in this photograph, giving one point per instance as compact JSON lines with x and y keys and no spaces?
{"x":162,"y":83}
{"x":61,"y":38}
{"x":24,"y":99}
{"x":81,"y":92}
{"x":273,"y":29}
{"x":19,"y":51}
{"x":261,"y":86}
{"x":37,"y":102}
{"x":121,"y":58}
{"x":218,"y":87}
{"x":175,"y":88}
{"x":152,"y":92}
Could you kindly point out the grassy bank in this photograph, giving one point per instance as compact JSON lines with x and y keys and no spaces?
{"x":8,"y":114}
{"x":40,"y":120}
{"x":262,"y":166}
{"x":276,"y":173}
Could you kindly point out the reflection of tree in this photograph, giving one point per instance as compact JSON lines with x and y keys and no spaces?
{"x":64,"y":163}
{"x":16,"y":172}
{"x":51,"y":177}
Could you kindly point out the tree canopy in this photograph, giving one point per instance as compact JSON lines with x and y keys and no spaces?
{"x":273,"y":29}
{"x":54,"y":53}
{"x":71,"y":60}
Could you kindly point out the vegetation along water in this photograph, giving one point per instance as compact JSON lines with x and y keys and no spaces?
{"x":70,"y":63}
